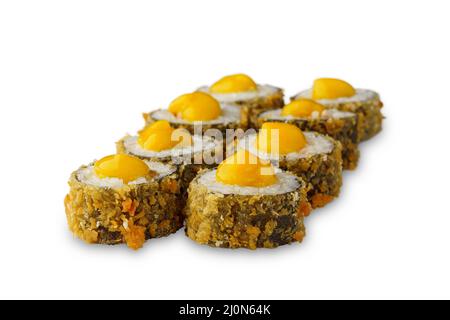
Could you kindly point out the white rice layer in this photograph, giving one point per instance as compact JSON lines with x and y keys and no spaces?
{"x":230,"y":114}
{"x":361,"y":95}
{"x":287,"y":182}
{"x":261,"y":91}
{"x":199,"y":145}
{"x":316,"y":144}
{"x":326,"y":114}
{"x":87,"y":175}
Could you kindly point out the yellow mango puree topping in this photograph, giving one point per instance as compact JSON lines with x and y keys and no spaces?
{"x":196,"y":106}
{"x":160,"y":136}
{"x":247,"y":170}
{"x":233,"y":83}
{"x":302,"y":108}
{"x":278,"y":138}
{"x":121,"y":166}
{"x":328,"y":88}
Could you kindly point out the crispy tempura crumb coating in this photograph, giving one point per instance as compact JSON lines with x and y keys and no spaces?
{"x":131,"y":214}
{"x":242,"y":221}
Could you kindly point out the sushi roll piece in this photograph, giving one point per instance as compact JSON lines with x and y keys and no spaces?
{"x":122,"y":199}
{"x":309,"y":115}
{"x":312,"y":156}
{"x":338,"y":94}
{"x":198,"y":112}
{"x":242,"y":90}
{"x":246,"y":203}
{"x":160,"y":142}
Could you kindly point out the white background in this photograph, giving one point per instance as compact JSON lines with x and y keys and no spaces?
{"x":75,"y":76}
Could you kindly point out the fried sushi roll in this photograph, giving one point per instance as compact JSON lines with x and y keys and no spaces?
{"x":314,"y":157}
{"x":312,"y":116}
{"x":122,"y":199}
{"x":242,"y":90}
{"x":246,"y":203}
{"x":198,"y":112}
{"x":161,"y":142}
{"x":338,"y":94}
